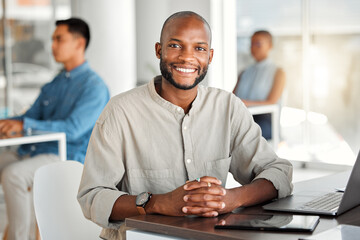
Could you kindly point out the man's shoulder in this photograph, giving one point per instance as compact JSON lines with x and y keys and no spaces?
{"x":216,"y":93}
{"x":92,"y":77}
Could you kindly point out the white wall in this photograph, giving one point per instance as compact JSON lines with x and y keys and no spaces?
{"x":149,"y":20}
{"x":223,"y":73}
{"x":150,"y":16}
{"x":112,"y":49}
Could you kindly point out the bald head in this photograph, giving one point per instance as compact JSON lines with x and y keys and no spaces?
{"x":180,"y":15}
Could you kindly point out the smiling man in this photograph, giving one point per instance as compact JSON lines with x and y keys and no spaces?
{"x":167,"y":147}
{"x":184,"y":63}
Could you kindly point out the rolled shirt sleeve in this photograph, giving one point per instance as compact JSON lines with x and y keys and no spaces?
{"x":253,"y":157}
{"x":103,"y":169}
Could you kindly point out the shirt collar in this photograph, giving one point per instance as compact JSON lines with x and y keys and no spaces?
{"x":76,"y":71}
{"x":176,"y":110}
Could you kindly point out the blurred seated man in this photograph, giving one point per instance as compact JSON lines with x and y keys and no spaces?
{"x":261,"y":83}
{"x":70,"y":103}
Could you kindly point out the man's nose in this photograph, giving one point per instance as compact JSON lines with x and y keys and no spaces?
{"x":187,"y":54}
{"x":53,"y":45}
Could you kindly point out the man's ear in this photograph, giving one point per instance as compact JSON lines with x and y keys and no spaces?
{"x":158,"y":50}
{"x":211,"y":55}
{"x":81,"y":43}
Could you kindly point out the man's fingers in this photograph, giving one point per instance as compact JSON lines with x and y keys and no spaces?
{"x":214,"y":190}
{"x":202,"y":197}
{"x":209,"y":179}
{"x":210,"y":214}
{"x":194,"y":185}
{"x":215,"y":205}
{"x":2,"y":125}
{"x":7,"y":129}
{"x":202,"y":182}
{"x":9,"y":126}
{"x":200,"y":211}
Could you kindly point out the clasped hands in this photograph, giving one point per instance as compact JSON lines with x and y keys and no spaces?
{"x":9,"y":127}
{"x":206,"y":198}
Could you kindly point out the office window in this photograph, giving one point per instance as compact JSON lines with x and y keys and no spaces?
{"x":335,"y":57}
{"x":27,"y":61}
{"x":320,"y":104}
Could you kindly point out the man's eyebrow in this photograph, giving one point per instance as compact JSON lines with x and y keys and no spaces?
{"x":174,"y":39}
{"x":177,"y":40}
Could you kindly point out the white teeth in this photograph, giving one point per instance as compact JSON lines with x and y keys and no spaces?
{"x":186,"y":70}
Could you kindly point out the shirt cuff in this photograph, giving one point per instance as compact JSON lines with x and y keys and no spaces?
{"x":29,"y":124}
{"x":20,"y":118}
{"x":102,"y":207}
{"x":280,"y":180}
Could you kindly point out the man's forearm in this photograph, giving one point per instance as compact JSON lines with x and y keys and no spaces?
{"x":256,"y":192}
{"x":123,"y":207}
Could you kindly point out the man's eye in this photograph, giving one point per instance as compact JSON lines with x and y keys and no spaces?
{"x":174,"y":46}
{"x":200,"y":49}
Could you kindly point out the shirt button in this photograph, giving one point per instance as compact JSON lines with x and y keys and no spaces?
{"x":29,"y":131}
{"x":179,"y":109}
{"x":185,"y":127}
{"x":188,"y":160}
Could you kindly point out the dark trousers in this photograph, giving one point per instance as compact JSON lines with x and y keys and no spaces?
{"x":264,"y":121}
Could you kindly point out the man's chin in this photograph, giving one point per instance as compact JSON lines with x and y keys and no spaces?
{"x":57,"y":59}
{"x":182,"y":86}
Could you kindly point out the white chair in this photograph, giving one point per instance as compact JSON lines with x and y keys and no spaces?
{"x":57,"y":210}
{"x":274,"y":109}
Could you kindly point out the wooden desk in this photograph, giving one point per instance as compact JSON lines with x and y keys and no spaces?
{"x":273,"y":109}
{"x":203,"y":228}
{"x":38,"y":137}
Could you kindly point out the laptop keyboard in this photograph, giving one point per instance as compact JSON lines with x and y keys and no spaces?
{"x":327,"y":202}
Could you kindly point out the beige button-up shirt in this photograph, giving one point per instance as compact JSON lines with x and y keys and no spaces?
{"x":142,"y":142}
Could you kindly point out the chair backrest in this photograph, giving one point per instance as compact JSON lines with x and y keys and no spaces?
{"x":57,"y":210}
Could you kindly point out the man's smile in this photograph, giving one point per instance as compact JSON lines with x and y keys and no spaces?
{"x":185,"y":70}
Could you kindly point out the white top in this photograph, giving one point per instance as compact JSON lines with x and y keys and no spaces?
{"x":256,"y":81}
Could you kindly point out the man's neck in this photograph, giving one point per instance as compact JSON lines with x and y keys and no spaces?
{"x":73,"y":63}
{"x":178,"y":97}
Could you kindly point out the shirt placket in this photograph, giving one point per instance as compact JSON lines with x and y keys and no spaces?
{"x":188,"y":148}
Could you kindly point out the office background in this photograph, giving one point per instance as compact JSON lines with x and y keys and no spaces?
{"x":317,"y":43}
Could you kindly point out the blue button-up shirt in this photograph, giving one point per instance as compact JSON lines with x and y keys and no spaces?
{"x":71,"y":103}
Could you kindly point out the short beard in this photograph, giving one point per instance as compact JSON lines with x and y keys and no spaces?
{"x":168,"y":76}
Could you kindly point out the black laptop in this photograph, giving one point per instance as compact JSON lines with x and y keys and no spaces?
{"x":332,"y":203}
